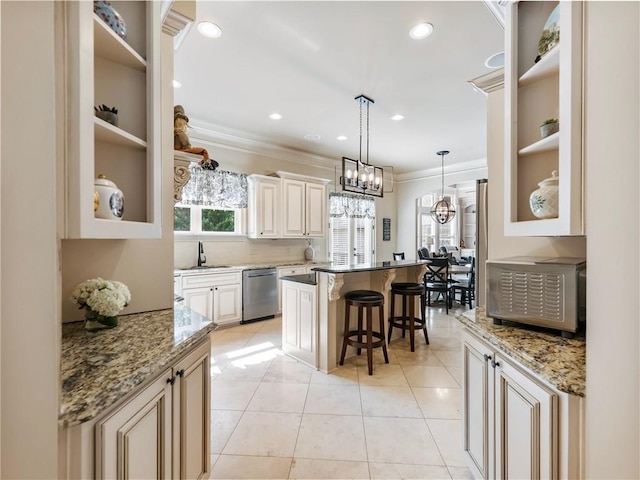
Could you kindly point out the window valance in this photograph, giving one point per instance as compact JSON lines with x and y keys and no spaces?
{"x":351,"y":206}
{"x":215,"y":188}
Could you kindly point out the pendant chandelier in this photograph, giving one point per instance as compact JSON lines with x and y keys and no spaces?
{"x":358,"y":175}
{"x":442,"y":211}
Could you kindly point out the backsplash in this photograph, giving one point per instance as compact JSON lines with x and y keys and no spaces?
{"x":242,"y":250}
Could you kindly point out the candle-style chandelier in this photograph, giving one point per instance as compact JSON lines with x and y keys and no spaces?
{"x":357,"y":175}
{"x":442,"y":211}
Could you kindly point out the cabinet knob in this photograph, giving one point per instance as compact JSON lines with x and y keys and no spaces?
{"x":216,"y":288}
{"x":211,"y":289}
{"x":180,"y":372}
{"x":171,"y":380}
{"x":487,"y":357}
{"x":494,"y":364}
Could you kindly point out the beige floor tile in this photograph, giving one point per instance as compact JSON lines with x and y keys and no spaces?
{"x":246,"y":467}
{"x":450,"y":358}
{"x":382,"y":401}
{"x":244,"y":370}
{"x":286,"y":369}
{"x":439,"y":402}
{"x":214,"y":459}
{"x":400,"y":440}
{"x":279,"y":397}
{"x":333,"y":399}
{"x":457,"y":374}
{"x":331,"y":437}
{"x":269,"y":339}
{"x":303,"y":468}
{"x":271,"y":326}
{"x":343,"y":375}
{"x":388,"y":471}
{"x":231,"y":395}
{"x":418,"y":376}
{"x":230,"y":340}
{"x":460,"y":473}
{"x":445,"y":343}
{"x":378,"y":357}
{"x":264,"y":434}
{"x":223,"y":423}
{"x":448,"y":436}
{"x":421,"y":357}
{"x":389,"y":375}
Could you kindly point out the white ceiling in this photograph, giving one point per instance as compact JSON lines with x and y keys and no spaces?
{"x":309,"y":60}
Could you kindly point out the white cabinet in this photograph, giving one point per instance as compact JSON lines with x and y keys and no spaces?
{"x":264,"y":207}
{"x":160,"y":431}
{"x":515,"y":425}
{"x":101,"y":68}
{"x":304,"y":207}
{"x":534,"y":92}
{"x":299,"y":321}
{"x":217,"y":296}
{"x":285,"y":271}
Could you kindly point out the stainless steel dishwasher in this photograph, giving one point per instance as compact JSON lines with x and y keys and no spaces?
{"x":259,"y":294}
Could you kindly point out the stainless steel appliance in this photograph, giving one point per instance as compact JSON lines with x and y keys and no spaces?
{"x":548,"y":292}
{"x":259,"y":294}
{"x":482,"y":240}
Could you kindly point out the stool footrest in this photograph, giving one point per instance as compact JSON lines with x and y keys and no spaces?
{"x":363,"y":344}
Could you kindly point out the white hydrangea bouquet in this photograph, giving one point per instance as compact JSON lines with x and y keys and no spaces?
{"x":102,"y":300}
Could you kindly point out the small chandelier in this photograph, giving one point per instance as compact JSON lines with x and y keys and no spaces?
{"x":358,"y":175}
{"x":442,"y":211}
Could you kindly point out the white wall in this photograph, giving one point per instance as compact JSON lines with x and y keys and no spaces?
{"x":612,"y":152}
{"x":30,"y":308}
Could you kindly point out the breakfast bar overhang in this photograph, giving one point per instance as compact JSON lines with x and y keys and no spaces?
{"x":331,"y":283}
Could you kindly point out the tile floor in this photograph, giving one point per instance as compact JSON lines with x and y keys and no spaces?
{"x":273,"y":417}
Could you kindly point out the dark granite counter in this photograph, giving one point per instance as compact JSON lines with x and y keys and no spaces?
{"x":368,"y":267}
{"x":557,"y":360}
{"x":98,"y":369}
{"x":309,"y":278}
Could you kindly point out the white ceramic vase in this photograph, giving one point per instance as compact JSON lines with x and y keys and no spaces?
{"x":544,"y":200}
{"x":111,"y":199}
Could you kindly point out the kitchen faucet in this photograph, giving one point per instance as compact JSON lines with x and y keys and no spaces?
{"x":202,"y":259}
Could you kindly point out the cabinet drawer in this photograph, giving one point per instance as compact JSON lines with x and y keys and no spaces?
{"x":210,"y":279}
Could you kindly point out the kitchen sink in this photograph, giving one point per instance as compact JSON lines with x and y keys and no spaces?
{"x":203,"y":267}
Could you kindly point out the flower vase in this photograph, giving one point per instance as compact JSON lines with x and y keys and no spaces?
{"x":95,"y":322}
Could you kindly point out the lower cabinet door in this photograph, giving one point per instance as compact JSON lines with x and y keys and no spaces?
{"x":299,"y":322}
{"x":135,"y":441}
{"x":526,"y":425}
{"x":227,"y":303}
{"x":199,"y":300}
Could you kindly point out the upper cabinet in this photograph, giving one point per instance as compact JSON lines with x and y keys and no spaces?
{"x":103,"y":68}
{"x":304,"y":205}
{"x":543,"y":81}
{"x":264,"y":207}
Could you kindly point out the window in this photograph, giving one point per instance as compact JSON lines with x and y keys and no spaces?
{"x":431,"y":234}
{"x":197,"y":220}
{"x":351,"y":229}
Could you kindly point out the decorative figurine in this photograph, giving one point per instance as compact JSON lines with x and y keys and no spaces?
{"x":181,"y":139}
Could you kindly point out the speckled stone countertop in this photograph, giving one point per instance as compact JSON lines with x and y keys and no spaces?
{"x":98,"y":369}
{"x":560,"y":361}
{"x":253,"y":266}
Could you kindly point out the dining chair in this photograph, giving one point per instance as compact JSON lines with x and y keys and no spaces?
{"x":436,"y":279}
{"x":423,"y":253}
{"x":466,"y":287}
{"x":398,"y":256}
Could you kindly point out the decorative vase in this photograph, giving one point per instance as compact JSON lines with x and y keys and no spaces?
{"x":95,"y":322}
{"x":549,"y":129}
{"x":111,"y":204}
{"x":544,"y":200}
{"x":108,"y":117}
{"x":111,"y":17}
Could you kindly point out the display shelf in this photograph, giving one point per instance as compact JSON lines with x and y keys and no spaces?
{"x":110,"y":46}
{"x":552,"y":142}
{"x":105,"y":132}
{"x":548,"y":65}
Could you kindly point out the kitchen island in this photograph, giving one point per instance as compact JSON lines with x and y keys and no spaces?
{"x":313,"y":311}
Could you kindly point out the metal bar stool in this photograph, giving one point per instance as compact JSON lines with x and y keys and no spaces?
{"x":364,"y":299}
{"x":408,"y":291}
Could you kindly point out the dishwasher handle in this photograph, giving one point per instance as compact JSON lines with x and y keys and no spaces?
{"x":260,"y":274}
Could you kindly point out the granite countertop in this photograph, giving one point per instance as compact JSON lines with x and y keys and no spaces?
{"x":99,"y":369}
{"x":309,"y":278}
{"x":368,"y":267}
{"x":252,"y":266}
{"x":559,"y":361}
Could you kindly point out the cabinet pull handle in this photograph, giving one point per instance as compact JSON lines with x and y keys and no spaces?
{"x":494,"y":364}
{"x":487,"y":357}
{"x":171,"y":380}
{"x":180,"y":372}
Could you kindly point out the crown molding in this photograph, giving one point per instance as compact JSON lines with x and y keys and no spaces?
{"x":436,"y":172}
{"x":177,"y":25}
{"x":489,"y":82}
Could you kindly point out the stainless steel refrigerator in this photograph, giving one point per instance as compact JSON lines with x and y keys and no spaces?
{"x":482,"y":239}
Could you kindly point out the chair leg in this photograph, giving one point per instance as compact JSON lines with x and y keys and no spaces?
{"x":346,"y":332}
{"x":384,"y":345}
{"x":369,"y":339}
{"x":423,"y":302}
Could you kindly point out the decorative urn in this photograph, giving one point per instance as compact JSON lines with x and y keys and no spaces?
{"x":111,"y":199}
{"x":544,"y":200}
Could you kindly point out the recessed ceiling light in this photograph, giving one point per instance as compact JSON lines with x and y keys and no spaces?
{"x":312,"y":137}
{"x":209,"y":29}
{"x":495,"y":61}
{"x":397,"y":117}
{"x":176,"y":84}
{"x":421,"y":30}
{"x":275,"y":116}
{"x":342,"y":138}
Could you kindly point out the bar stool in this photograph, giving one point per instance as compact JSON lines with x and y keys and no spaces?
{"x":408,"y":291}
{"x":364,"y":299}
